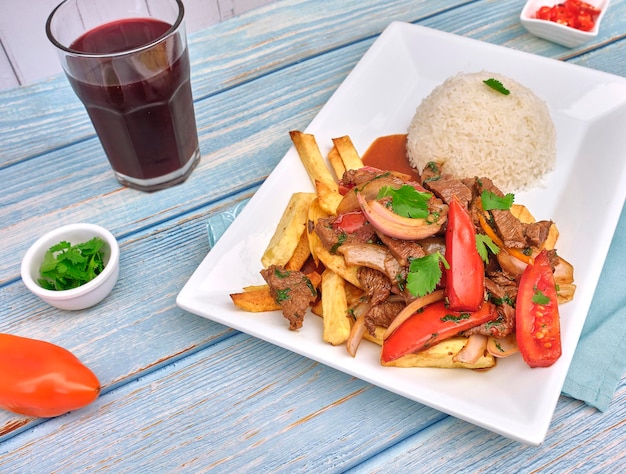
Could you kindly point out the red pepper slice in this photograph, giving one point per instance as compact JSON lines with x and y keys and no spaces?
{"x":431,"y":325}
{"x":537,"y":322}
{"x":465,"y":279}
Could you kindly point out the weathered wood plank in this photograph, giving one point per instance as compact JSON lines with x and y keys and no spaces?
{"x":580,"y":439}
{"x":245,"y":405}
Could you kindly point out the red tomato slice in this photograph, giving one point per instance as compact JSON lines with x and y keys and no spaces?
{"x":350,"y":222}
{"x":538,"y":329}
{"x":465,"y":279}
{"x":432,"y":325}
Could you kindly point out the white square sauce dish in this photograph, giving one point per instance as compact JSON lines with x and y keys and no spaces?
{"x":557,"y":32}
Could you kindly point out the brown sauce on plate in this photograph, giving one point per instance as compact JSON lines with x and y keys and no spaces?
{"x":389,"y":153}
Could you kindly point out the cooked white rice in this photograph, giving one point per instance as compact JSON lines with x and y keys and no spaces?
{"x":477,"y":131}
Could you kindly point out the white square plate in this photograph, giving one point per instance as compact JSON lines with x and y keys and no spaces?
{"x":584,"y":195}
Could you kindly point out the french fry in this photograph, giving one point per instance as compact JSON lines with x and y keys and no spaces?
{"x":336,"y":263}
{"x":289,"y":230}
{"x":312,"y":159}
{"x":440,"y":356}
{"x":524,"y":215}
{"x":334,"y":309}
{"x":335,"y":163}
{"x":256,"y":300}
{"x":349,"y":156}
{"x":329,"y":199}
{"x":315,"y":212}
{"x":300,"y":254}
{"x":354,"y":294}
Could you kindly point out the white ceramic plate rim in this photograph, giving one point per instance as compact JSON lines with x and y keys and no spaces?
{"x":378,"y":98}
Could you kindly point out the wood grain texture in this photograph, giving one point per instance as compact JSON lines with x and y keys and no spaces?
{"x":181,"y":392}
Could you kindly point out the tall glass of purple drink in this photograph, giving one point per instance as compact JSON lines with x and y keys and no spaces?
{"x":128,"y":63}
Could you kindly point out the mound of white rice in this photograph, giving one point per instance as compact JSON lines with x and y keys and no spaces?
{"x":475,"y":130}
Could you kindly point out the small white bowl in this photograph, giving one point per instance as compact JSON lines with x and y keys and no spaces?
{"x":555,"y":32}
{"x":91,"y":292}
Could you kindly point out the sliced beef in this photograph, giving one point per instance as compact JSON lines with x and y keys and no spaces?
{"x":510,"y":229}
{"x":402,"y":250}
{"x":382,"y":315}
{"x":375,"y":284}
{"x":431,"y":172}
{"x":292,"y":290}
{"x":502,"y":326}
{"x":446,"y":187}
{"x":537,"y":232}
{"x":502,"y":288}
{"x":332,"y":235}
{"x":358,"y":177}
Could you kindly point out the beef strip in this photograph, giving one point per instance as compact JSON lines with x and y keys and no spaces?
{"x":510,"y":229}
{"x":502,"y":326}
{"x":376,"y":284}
{"x":501,"y":287}
{"x":402,"y":250}
{"x":292,"y":290}
{"x":537,"y":232}
{"x":446,"y":186}
{"x":358,"y":177}
{"x":382,"y":315}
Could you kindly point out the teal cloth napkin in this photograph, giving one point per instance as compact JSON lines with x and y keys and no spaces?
{"x":600,"y":358}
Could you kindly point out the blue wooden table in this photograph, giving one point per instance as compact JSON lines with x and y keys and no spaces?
{"x":181,"y":393}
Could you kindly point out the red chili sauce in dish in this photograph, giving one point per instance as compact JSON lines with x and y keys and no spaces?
{"x":573,"y":13}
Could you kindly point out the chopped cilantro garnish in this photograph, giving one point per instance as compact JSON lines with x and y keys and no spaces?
{"x":491,"y":201}
{"x":67,"y":266}
{"x":496,"y":85}
{"x":424,"y":274}
{"x":484,"y":244}
{"x":407,"y":201}
{"x":455,"y":319}
{"x":540,"y":298}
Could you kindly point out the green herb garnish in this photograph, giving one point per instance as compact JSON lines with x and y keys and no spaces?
{"x":491,"y":201}
{"x":540,"y":298}
{"x":484,"y":245}
{"x":425,"y":273}
{"x":67,"y":266}
{"x":451,"y":318}
{"x":496,"y":85}
{"x":407,"y":201}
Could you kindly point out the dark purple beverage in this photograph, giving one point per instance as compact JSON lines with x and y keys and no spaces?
{"x":139,"y":101}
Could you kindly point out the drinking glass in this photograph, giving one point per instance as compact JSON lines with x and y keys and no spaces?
{"x":128,"y":62}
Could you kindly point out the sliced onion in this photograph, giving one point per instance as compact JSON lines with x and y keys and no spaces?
{"x":394,"y":225}
{"x":410,"y":310}
{"x":502,"y":346}
{"x":473,"y":349}
{"x":511,"y":265}
{"x":369,"y":190}
{"x":563,"y":272}
{"x":358,"y":328}
{"x":365,"y":255}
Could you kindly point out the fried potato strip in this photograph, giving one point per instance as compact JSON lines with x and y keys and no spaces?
{"x":312,"y":159}
{"x":349,"y":156}
{"x":336,"y":323}
{"x":289,"y":230}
